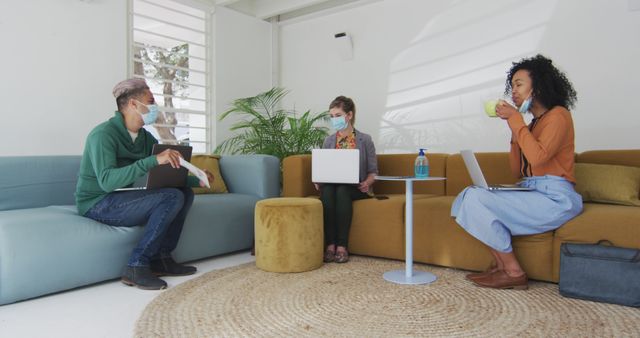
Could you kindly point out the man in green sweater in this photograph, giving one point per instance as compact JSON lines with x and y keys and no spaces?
{"x":117,"y":153}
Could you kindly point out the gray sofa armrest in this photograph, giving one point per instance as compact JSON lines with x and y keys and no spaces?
{"x":251,"y":174}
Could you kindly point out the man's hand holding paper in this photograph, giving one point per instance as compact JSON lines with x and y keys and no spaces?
{"x":204,"y":175}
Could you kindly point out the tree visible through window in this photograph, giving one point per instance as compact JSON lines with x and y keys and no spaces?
{"x":170,"y":51}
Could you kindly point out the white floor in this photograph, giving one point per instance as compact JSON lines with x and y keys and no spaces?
{"x":108,"y":309}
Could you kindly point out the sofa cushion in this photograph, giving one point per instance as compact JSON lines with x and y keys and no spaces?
{"x":44,"y":250}
{"x":630,"y":157}
{"x":617,"y":223}
{"x":211,"y":163}
{"x":377,"y":227}
{"x":607,"y":183}
{"x":37,"y":181}
{"x":217,"y":224}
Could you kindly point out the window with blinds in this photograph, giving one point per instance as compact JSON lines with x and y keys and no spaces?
{"x":170,"y":49}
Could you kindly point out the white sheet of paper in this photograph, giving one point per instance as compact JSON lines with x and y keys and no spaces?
{"x":199,"y":173}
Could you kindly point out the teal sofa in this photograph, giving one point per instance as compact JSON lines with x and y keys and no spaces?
{"x":46,"y":247}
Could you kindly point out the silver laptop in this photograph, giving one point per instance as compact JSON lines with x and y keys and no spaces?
{"x":164,"y":176}
{"x":478,"y":178}
{"x":335,"y":166}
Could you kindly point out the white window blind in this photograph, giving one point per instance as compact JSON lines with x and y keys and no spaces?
{"x":170,"y":49}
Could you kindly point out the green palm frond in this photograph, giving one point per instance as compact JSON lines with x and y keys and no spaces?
{"x":264,"y":128}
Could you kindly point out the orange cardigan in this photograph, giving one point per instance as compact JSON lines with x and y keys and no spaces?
{"x":549,"y":148}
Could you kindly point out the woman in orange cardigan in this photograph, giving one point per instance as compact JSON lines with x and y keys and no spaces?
{"x":542,"y":154}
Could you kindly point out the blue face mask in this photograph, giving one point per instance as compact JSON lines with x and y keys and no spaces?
{"x":152,"y":114}
{"x":524,"y":107}
{"x":338,"y":122}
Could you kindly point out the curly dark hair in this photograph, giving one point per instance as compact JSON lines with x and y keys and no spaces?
{"x":550,"y":86}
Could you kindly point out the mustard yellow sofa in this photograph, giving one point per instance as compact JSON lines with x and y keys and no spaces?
{"x":378,"y":228}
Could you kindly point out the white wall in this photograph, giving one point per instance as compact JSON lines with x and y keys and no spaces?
{"x":243,"y":62}
{"x":421,"y":69}
{"x":60,"y":60}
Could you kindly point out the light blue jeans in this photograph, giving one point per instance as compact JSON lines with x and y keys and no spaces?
{"x":161,"y":211}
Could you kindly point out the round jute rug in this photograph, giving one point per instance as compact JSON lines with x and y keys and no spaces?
{"x":353,"y":300}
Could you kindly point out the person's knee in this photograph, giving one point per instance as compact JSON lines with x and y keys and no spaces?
{"x":328,"y":188}
{"x":475,"y":196}
{"x":343,"y":193}
{"x":341,"y":189}
{"x":174,"y":196}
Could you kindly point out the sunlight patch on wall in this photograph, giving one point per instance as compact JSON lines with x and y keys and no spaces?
{"x":438,"y":84}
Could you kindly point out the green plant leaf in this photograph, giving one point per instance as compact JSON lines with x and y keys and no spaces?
{"x":265,"y":128}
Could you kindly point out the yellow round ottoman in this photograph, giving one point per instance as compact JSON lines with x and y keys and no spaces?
{"x":289,"y":234}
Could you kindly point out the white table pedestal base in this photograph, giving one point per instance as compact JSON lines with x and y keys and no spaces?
{"x":408,"y":275}
{"x":417,"y":277}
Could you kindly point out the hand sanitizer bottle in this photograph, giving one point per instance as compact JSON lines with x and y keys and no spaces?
{"x":421,"y":165}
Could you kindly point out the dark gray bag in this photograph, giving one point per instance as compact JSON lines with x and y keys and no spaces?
{"x":600,"y":273}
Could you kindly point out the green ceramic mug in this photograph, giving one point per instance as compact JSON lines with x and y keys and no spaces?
{"x":490,"y":108}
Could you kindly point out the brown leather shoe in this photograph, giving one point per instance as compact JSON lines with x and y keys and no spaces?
{"x":473,"y":276}
{"x":501,"y":280}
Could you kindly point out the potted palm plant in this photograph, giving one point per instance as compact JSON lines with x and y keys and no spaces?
{"x":265,"y":128}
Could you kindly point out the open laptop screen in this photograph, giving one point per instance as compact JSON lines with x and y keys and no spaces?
{"x":477,"y":176}
{"x":335,"y":166}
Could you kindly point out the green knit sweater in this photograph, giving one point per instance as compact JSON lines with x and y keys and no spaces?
{"x":111,"y":160}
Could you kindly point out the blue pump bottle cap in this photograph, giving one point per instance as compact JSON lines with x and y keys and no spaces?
{"x":422,"y":151}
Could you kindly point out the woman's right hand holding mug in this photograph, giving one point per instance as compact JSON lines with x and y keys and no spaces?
{"x":504,"y":110}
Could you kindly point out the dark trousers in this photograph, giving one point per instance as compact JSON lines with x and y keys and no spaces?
{"x":337,"y":204}
{"x":161,"y":211}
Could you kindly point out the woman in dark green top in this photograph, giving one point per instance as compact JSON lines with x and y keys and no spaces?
{"x":117,"y":153}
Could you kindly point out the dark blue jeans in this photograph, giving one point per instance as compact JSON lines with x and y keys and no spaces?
{"x":161,"y":211}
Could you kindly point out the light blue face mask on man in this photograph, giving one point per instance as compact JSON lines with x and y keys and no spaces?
{"x":338,"y":122}
{"x":152,"y":114}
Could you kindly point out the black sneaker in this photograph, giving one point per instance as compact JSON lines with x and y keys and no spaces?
{"x":169,"y":267}
{"x":143,"y":278}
